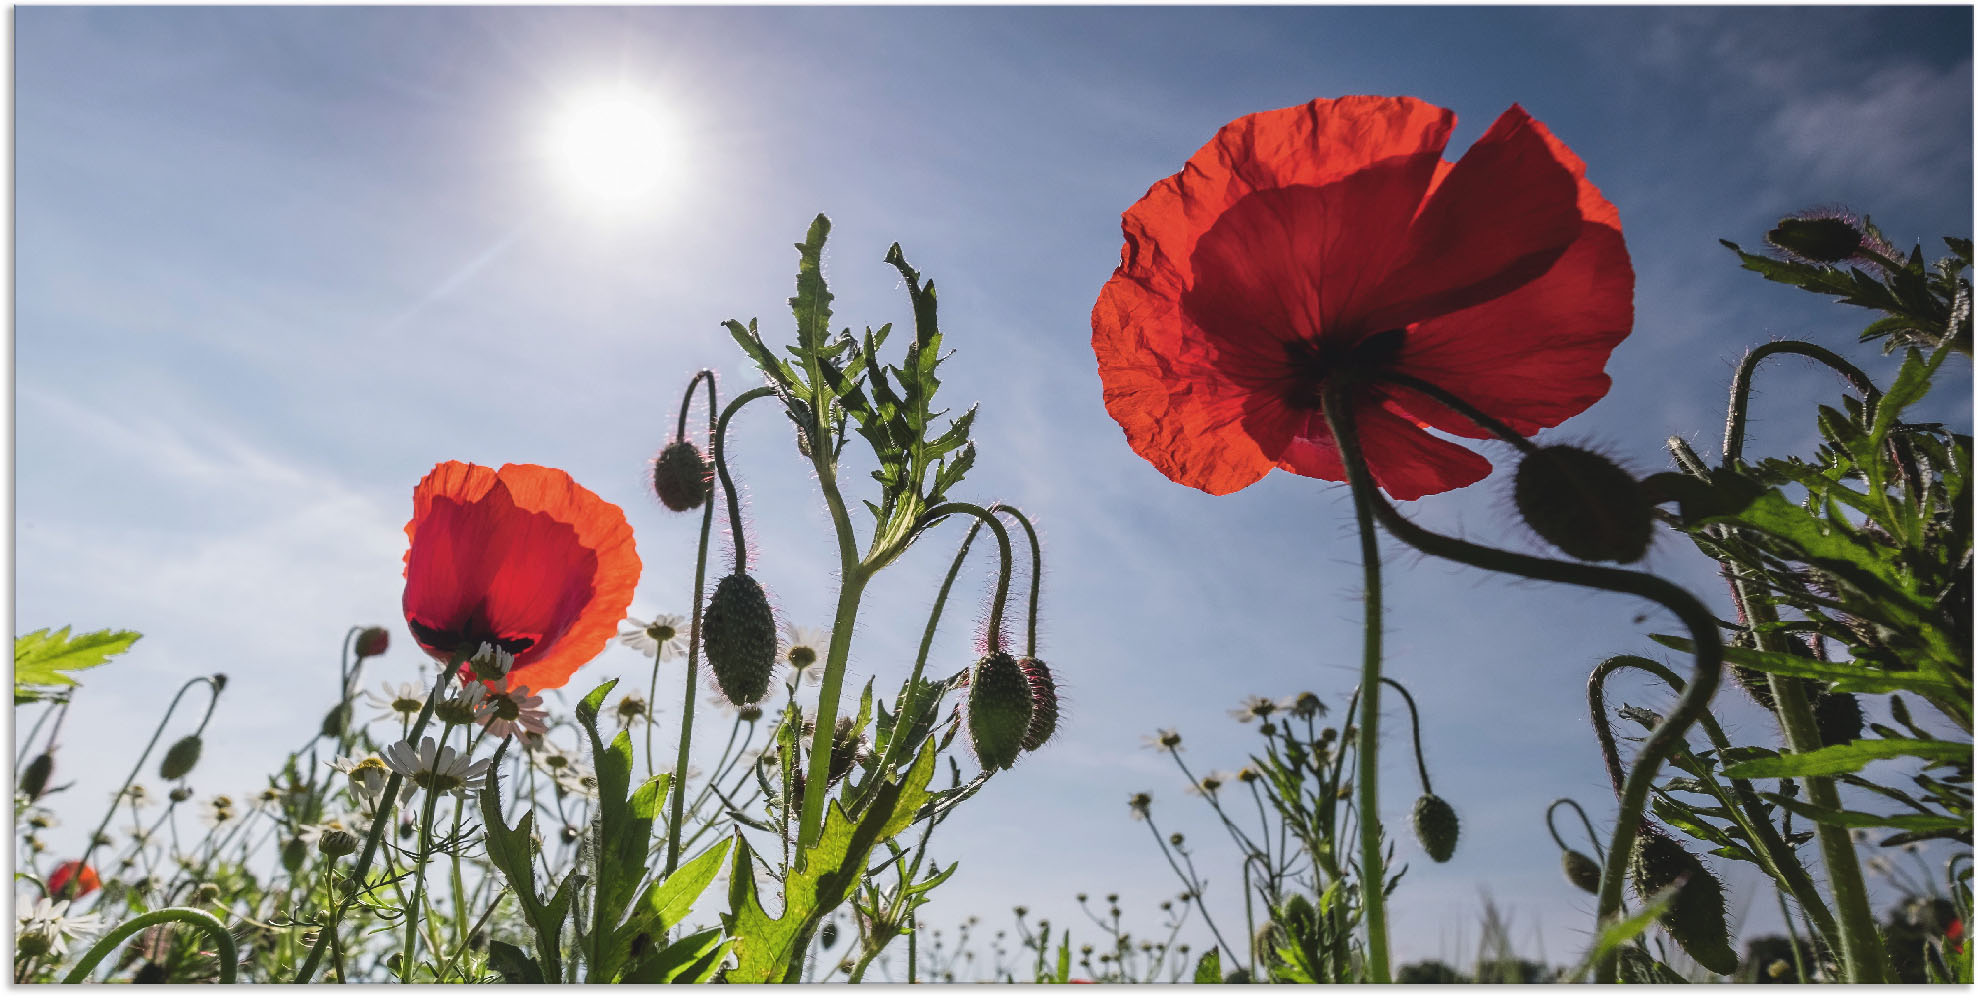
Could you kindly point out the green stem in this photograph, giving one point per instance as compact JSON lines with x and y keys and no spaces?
{"x":1584,"y":821}
{"x":811,"y":822}
{"x":1036,"y":572}
{"x":996,"y":603}
{"x":386,"y":801}
{"x":223,"y":943}
{"x":1695,"y":617}
{"x":1734,"y":425}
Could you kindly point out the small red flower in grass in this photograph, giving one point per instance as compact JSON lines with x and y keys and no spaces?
{"x":73,"y":880}
{"x":521,"y":557}
{"x":1332,"y":241}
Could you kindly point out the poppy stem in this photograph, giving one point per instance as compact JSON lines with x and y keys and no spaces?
{"x":1461,"y":405}
{"x":1036,"y":572}
{"x":678,"y":807}
{"x":1702,"y":626}
{"x":1414,"y":721}
{"x":1584,"y":821}
{"x":720,"y":445}
{"x":384,"y":809}
{"x":1734,"y":423}
{"x":1373,"y":877}
{"x":909,"y":709}
{"x":687,"y":401}
{"x":97,"y":837}
{"x":216,"y":932}
{"x":996,"y":603}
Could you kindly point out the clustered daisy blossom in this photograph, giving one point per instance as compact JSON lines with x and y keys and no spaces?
{"x":44,"y":926}
{"x":367,"y":777}
{"x":435,"y":768}
{"x":664,"y":637}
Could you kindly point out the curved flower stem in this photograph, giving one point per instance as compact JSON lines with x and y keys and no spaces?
{"x":1694,"y":616}
{"x":700,"y":563}
{"x":717,"y":429}
{"x":1036,"y":572}
{"x":97,"y":837}
{"x":223,"y":943}
{"x":909,"y":708}
{"x":1776,"y":858}
{"x":1373,"y":877}
{"x":1734,"y":425}
{"x":1003,"y":549}
{"x":687,"y":401}
{"x":386,"y":800}
{"x":1584,"y":821}
{"x":1461,"y":405}
{"x":728,"y":484}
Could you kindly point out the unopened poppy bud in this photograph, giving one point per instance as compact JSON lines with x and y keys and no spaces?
{"x":337,"y":843}
{"x":1043,"y":702}
{"x":1436,"y":827}
{"x":294,"y":853}
{"x":1695,"y":918}
{"x":34,"y":780}
{"x":406,"y":829}
{"x":739,"y":635}
{"x":1582,"y":871}
{"x":828,"y":935}
{"x":1823,"y":240}
{"x":1838,"y":715}
{"x":999,"y":710}
{"x":682,"y":477}
{"x":1175,"y":838}
{"x":219,"y":683}
{"x":336,"y":721}
{"x":1756,"y":683}
{"x":179,"y":794}
{"x":372,"y":641}
{"x":1583,"y":503}
{"x":181,"y":758}
{"x":206,"y":894}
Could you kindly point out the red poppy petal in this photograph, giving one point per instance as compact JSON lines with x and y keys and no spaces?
{"x":601,"y":527}
{"x":1406,"y":461}
{"x":1498,"y":219}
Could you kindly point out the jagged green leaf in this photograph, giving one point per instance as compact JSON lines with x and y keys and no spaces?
{"x":43,"y":659}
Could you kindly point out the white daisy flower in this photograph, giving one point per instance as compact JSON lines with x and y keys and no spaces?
{"x":310,"y":833}
{"x":665,"y":636}
{"x":367,"y":778}
{"x":399,"y":701}
{"x":435,"y":768}
{"x":491,"y":662}
{"x":577,"y":780}
{"x":804,"y":649}
{"x":550,"y":756}
{"x":514,"y":713}
{"x":219,"y":812}
{"x":1253,"y":708}
{"x":137,"y":797}
{"x":45,"y":926}
{"x":1211,"y":782}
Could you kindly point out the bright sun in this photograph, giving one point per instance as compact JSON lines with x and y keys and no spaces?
{"x":612,"y":149}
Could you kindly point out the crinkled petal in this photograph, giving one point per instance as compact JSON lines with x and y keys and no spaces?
{"x":1406,"y":461}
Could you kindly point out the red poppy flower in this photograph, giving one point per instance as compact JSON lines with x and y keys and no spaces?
{"x":1332,"y":239}
{"x":81,"y":874}
{"x":523,"y":558}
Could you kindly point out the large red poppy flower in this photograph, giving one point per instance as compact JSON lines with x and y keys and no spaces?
{"x":1310,"y":242}
{"x":523,"y":558}
{"x":83,"y":877}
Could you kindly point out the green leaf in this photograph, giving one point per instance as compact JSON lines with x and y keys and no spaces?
{"x":1618,"y":933}
{"x":692,"y":959}
{"x":1209,"y":969}
{"x":1851,"y":676}
{"x":42,"y":659}
{"x":1847,"y":758}
{"x":513,"y":853}
{"x":1915,"y":822}
{"x":514,"y":965}
{"x":812,"y":303}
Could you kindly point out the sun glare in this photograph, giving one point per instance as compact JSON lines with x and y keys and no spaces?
{"x":612,"y":150}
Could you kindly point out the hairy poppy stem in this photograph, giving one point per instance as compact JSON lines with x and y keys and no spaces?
{"x":1036,"y":572}
{"x":216,"y":932}
{"x":1584,"y":821}
{"x":909,"y":707}
{"x":1003,"y":550}
{"x":1461,"y":405}
{"x":720,"y":446}
{"x":700,"y":559}
{"x":1373,"y":876}
{"x":385,"y":807}
{"x":1734,"y":423}
{"x":1702,"y":626}
{"x":1414,"y":721}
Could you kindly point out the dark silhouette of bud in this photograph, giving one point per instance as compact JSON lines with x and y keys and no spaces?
{"x":1838,"y":714}
{"x":336,"y":721}
{"x":1583,"y":503}
{"x":1695,"y":918}
{"x":739,"y":635}
{"x":1820,"y":240}
{"x":372,"y":641}
{"x":294,"y":853}
{"x":999,"y":710}
{"x":682,"y":476}
{"x":1436,"y":827}
{"x":181,"y":758}
{"x":1582,"y":871}
{"x":1043,"y":702}
{"x":34,"y":780}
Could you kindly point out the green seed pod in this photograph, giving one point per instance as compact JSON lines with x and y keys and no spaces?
{"x":1043,"y":702}
{"x":682,"y":477}
{"x":1696,"y":916}
{"x":336,"y":721}
{"x":294,"y":853}
{"x":181,"y":758}
{"x":739,"y":635}
{"x":1585,"y":504}
{"x":1582,"y":871}
{"x":1838,"y":714}
{"x":1436,"y":827}
{"x":1816,"y":241}
{"x":34,"y":780}
{"x":999,"y":710}
{"x":1756,"y":683}
{"x":337,"y":843}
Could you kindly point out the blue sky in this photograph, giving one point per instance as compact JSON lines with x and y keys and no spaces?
{"x":273,"y":264}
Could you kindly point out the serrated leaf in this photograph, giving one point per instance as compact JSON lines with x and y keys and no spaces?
{"x":1847,"y":758}
{"x":42,"y":659}
{"x":1209,"y":968}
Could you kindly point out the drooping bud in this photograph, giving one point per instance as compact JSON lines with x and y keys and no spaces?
{"x":34,"y":779}
{"x":1820,"y":240}
{"x":1585,"y":504}
{"x":181,"y":758}
{"x":1043,"y":702}
{"x":1582,"y":871}
{"x":294,"y":853}
{"x":681,"y":476}
{"x":999,"y":710}
{"x":1695,"y":918}
{"x":337,"y":843}
{"x":1436,"y":827}
{"x":336,"y":721}
{"x":1838,"y":715}
{"x":371,"y":642}
{"x":739,"y":635}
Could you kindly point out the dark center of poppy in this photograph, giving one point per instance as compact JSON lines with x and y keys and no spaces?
{"x":468,"y":637}
{"x":1312,"y":362}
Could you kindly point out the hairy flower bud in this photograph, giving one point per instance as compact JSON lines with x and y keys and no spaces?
{"x":372,"y":641}
{"x":294,"y":853}
{"x":739,"y":635}
{"x":999,"y":710}
{"x":682,"y":477}
{"x":1582,"y":871}
{"x":1583,"y":503}
{"x":1043,"y":702}
{"x":1838,"y":714}
{"x":1695,"y":918}
{"x":337,"y":843}
{"x":34,"y":779}
{"x":1436,"y":827}
{"x":181,"y":758}
{"x":1817,"y":240}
